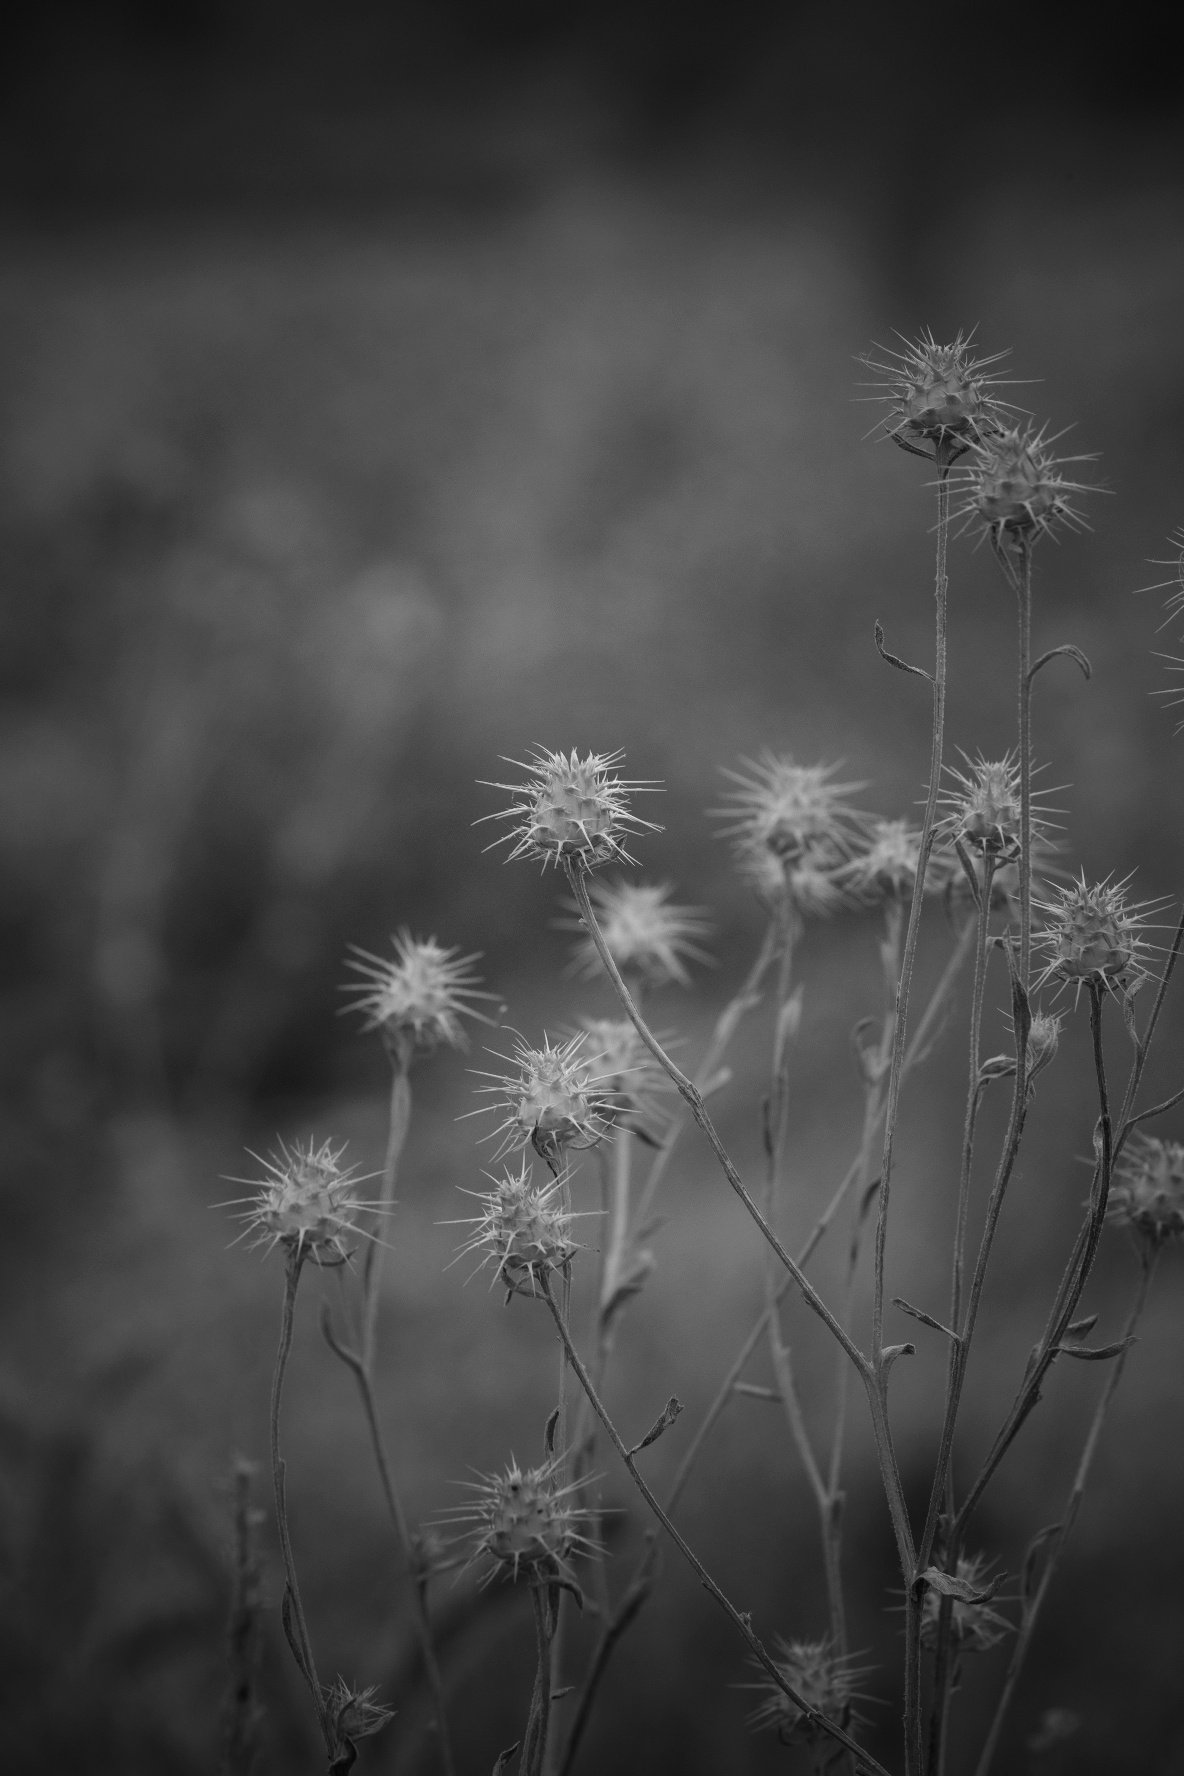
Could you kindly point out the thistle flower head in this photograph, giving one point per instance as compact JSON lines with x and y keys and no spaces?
{"x":554,"y":1099}
{"x":825,"y":1680}
{"x":885,"y":866}
{"x":353,"y":1713}
{"x":418,"y":997}
{"x":942,"y":400}
{"x":646,"y":935}
{"x":624,"y":1066}
{"x":975,"y":1625}
{"x":306,"y":1202}
{"x":1015,"y":490}
{"x":571,"y":810}
{"x":523,"y":1523}
{"x":523,"y":1231}
{"x":1147,"y":1190}
{"x":794,"y":814}
{"x":1093,"y":936}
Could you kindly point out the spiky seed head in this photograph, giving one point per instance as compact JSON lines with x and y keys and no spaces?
{"x":791,"y":812}
{"x":523,"y":1523}
{"x":984,"y":810}
{"x":306,"y":1202}
{"x":885,"y":867}
{"x":555,"y":1098}
{"x":825,"y":1680}
{"x":571,"y":809}
{"x":524,"y":1231}
{"x":646,"y":935}
{"x":975,"y":1624}
{"x":942,"y":399}
{"x":1015,"y":490}
{"x":1147,"y":1190}
{"x":1092,"y":935}
{"x":353,"y":1713}
{"x":418,"y":997}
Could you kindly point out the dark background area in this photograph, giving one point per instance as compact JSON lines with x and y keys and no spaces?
{"x":386,"y":390}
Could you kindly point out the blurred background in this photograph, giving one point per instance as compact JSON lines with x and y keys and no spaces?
{"x":388,"y":389}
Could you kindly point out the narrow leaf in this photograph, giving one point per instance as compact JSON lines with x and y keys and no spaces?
{"x":918,"y":1313}
{"x":895,"y":660}
{"x":662,"y":1423}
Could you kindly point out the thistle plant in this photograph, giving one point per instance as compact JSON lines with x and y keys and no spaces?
{"x":616,"y":1100}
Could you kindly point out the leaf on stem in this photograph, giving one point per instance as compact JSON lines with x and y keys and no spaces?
{"x":662,"y":1423}
{"x":895,"y":660}
{"x":1051,"y":1533}
{"x":918,"y":1313}
{"x":960,"y":1589}
{"x":1070,"y":653}
{"x":1098,"y":1354}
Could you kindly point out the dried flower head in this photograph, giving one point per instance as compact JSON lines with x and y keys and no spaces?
{"x":1015,"y":490}
{"x":1093,"y":936}
{"x":554,"y":1099}
{"x":353,"y":1713}
{"x":571,"y":810}
{"x":942,"y":400}
{"x":982,"y":810}
{"x":524,"y":1231}
{"x":523,"y":1524}
{"x":1147,"y":1190}
{"x":885,"y":867}
{"x":790,"y":812}
{"x":825,"y":1680}
{"x":646,"y":935}
{"x":306,"y":1203}
{"x":418,"y":997}
{"x":626,"y":1068}
{"x":974,"y":1624}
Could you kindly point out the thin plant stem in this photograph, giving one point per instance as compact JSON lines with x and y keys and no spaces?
{"x":1064,"y":1529}
{"x":864,"y":1761}
{"x":1072,"y":1285}
{"x":400,"y":1120}
{"x":729,"y":1020}
{"x":534,"y":1741}
{"x":295,"y":1622}
{"x":872,"y":1378}
{"x":360,"y":1363}
{"x":641,"y":1584}
{"x":937,"y":743}
{"x":412,"y":1560}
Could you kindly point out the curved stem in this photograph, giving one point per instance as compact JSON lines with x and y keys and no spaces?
{"x":864,"y":1761}
{"x":400,"y":1119}
{"x":295,"y":1618}
{"x":937,"y":742}
{"x":1065,"y":1527}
